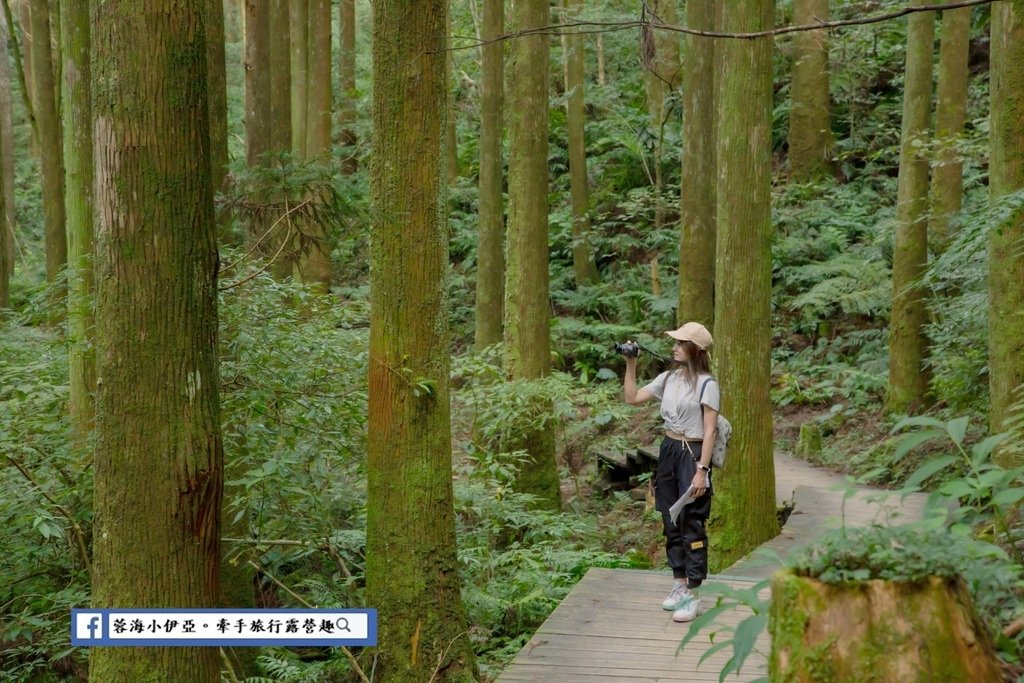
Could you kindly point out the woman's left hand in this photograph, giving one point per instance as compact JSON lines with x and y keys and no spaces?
{"x":700,"y":483}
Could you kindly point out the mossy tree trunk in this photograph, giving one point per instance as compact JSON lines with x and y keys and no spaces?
{"x":810,"y":127}
{"x":7,"y":224}
{"x":527,"y":313}
{"x":217,"y":85}
{"x":78,"y":160}
{"x":412,"y":574}
{"x":158,"y":459}
{"x":257,"y":81}
{"x":907,"y":345}
{"x":347,"y":74}
{"x":315,"y":259}
{"x":743,"y":513}
{"x":698,"y":191}
{"x":661,"y":78}
{"x":879,"y":631}
{"x":1006,"y":175}
{"x":572,"y":51}
{"x":300,"y":24}
{"x":950,"y":113}
{"x":280,"y":77}
{"x":52,"y":165}
{"x":490,"y":261}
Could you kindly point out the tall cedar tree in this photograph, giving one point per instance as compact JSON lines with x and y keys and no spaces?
{"x":76,"y":104}
{"x":158,"y":459}
{"x":1006,"y":173}
{"x":907,"y":380}
{"x":44,"y":90}
{"x":412,"y":573}
{"x":315,"y":260}
{"x":662,"y":76}
{"x":950,"y":113}
{"x":216,"y":80}
{"x":490,"y":261}
{"x":810,"y":127}
{"x":527,"y":315}
{"x":300,"y":24}
{"x":572,"y":55}
{"x":698,"y":182}
{"x":6,"y":149}
{"x":347,"y":74}
{"x":257,"y":95}
{"x":744,"y":512}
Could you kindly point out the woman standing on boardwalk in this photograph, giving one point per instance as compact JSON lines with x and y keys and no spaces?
{"x":690,"y":401}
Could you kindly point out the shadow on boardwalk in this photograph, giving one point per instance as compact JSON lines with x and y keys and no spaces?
{"x":611,"y":628}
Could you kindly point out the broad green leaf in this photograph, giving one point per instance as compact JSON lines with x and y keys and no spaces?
{"x":958,"y":429}
{"x":911,"y":441}
{"x":930,"y":468}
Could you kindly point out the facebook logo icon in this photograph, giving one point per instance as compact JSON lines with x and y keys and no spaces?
{"x":87,"y":626}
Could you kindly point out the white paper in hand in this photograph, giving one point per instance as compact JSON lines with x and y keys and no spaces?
{"x":677,"y":506}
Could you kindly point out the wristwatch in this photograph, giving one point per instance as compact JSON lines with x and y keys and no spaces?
{"x":706,"y":469}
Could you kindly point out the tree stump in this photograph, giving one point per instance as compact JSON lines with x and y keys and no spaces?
{"x":809,"y":443}
{"x":877,"y":631}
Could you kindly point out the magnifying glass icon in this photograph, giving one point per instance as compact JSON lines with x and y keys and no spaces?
{"x":342,"y":624}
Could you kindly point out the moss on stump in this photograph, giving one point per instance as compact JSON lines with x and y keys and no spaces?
{"x":877,"y":632}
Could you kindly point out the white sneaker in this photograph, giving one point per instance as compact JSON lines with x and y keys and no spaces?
{"x":689,"y":610}
{"x":676,"y":598}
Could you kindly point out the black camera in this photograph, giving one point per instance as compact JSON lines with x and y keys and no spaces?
{"x":628,"y":349}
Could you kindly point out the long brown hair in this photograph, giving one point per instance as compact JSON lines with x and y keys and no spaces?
{"x":699,"y":363}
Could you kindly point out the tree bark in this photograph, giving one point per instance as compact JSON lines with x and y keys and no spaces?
{"x":158,"y":460}
{"x":257,"y":81}
{"x":527,"y":312}
{"x":78,"y":197}
{"x":490,"y":252}
{"x":879,"y":631}
{"x":810,"y":125}
{"x":347,"y":69}
{"x":52,"y":165}
{"x":950,"y":113}
{"x":572,"y":49}
{"x":280,"y":77}
{"x":698,"y":192}
{"x":907,"y":381}
{"x":27,"y":79}
{"x":451,"y":138}
{"x":300,"y":45}
{"x":1006,"y":175}
{"x":315,"y":261}
{"x":412,"y":572}
{"x":743,"y":515}
{"x":7,"y":147}
{"x":661,"y":78}
{"x":217,"y":81}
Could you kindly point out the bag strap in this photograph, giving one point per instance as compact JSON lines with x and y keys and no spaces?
{"x":700,"y":399}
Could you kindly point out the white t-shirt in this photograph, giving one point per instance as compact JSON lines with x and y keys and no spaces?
{"x":679,"y":406}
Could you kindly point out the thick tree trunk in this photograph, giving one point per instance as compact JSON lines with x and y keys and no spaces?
{"x":907,"y":381}
{"x":52,"y":165}
{"x":490,"y":252}
{"x":158,"y":461}
{"x":315,"y":260}
{"x":300,"y":25}
{"x":280,"y":77}
{"x":1006,"y":175}
{"x":950,"y":113}
{"x":347,"y":72}
{"x":27,"y":79}
{"x":412,"y":575}
{"x":743,"y":514}
{"x":78,"y":190}
{"x":810,"y":126}
{"x":527,"y":313}
{"x":878,"y":631}
{"x":451,"y":147}
{"x":217,"y":81}
{"x":572,"y":49}
{"x":698,"y":192}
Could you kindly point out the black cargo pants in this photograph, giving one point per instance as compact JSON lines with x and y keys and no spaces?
{"x":686,"y":541}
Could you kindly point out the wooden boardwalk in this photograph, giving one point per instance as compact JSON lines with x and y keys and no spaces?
{"x":611,"y":628}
